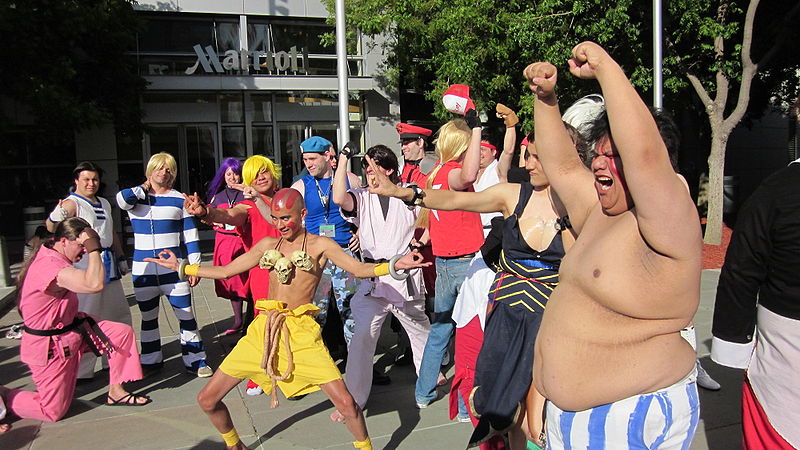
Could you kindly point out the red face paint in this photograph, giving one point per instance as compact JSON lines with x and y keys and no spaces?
{"x":286,"y":199}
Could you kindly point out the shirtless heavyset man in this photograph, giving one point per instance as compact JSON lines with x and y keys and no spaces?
{"x":288,"y":316}
{"x":609,"y":346}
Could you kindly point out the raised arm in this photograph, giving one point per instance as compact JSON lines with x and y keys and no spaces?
{"x":510,"y":120}
{"x":340,"y":178}
{"x":494,"y":199}
{"x":127,"y":198}
{"x":92,"y":279}
{"x":65,"y":209}
{"x":667,"y":217}
{"x":560,"y":160}
{"x":461,"y":179}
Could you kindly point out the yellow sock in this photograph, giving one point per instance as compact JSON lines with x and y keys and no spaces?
{"x":231,"y":438}
{"x":366,"y":444}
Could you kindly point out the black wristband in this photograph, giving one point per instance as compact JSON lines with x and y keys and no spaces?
{"x":416,"y":200}
{"x":472,"y":119}
{"x":349,"y":150}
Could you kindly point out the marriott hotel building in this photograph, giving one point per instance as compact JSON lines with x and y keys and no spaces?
{"x":226,"y":78}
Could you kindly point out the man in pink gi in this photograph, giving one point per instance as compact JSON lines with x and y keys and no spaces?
{"x":56,"y":334}
{"x":385,"y":228}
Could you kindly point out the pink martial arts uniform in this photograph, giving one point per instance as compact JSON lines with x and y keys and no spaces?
{"x":53,"y":360}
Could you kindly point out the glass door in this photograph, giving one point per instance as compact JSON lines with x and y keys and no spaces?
{"x":194,"y":147}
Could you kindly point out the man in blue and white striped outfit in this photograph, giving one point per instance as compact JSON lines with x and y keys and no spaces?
{"x":159,"y":221}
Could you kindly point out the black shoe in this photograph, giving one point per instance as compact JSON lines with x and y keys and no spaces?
{"x":379,"y":379}
{"x":406,"y":360}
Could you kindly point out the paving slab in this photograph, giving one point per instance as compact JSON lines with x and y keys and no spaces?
{"x":174,"y":421}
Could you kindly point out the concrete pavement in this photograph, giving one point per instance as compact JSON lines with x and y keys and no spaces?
{"x":174,"y":421}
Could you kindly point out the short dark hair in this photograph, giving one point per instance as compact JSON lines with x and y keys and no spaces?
{"x":384,"y":157}
{"x":670,"y":135}
{"x":86,"y":165}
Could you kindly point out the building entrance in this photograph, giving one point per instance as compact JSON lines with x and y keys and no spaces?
{"x":194,"y":147}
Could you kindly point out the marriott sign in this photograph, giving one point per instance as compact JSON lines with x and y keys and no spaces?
{"x":244,"y":60}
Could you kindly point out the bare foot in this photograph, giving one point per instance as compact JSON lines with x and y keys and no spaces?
{"x":4,"y":427}
{"x":239,"y":446}
{"x":442,"y":380}
{"x":336,"y":416}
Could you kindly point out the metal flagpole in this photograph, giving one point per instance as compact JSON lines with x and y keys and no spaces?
{"x":657,"y":68}
{"x":341,"y":70}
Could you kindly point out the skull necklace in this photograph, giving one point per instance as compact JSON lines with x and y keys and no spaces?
{"x":283,"y":266}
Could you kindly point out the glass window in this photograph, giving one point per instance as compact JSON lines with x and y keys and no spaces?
{"x":129,"y":147}
{"x":200,"y":156}
{"x":262,"y":141}
{"x":258,"y":36}
{"x":227,"y":37}
{"x":171,"y":35}
{"x":233,"y":142}
{"x":262,"y":107}
{"x":231,"y":108}
{"x":301,"y":35}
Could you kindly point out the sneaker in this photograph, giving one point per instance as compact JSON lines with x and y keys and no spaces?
{"x":253,"y":389}
{"x":15,"y":332}
{"x":705,"y":381}
{"x":464,"y":419}
{"x":422,"y":405}
{"x":202,"y":371}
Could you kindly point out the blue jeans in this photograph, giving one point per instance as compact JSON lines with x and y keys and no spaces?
{"x":450,"y":274}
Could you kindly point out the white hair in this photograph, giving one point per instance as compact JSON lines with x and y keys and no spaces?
{"x":584,"y":111}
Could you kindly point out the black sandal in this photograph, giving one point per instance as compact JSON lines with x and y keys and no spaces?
{"x":128,"y":400}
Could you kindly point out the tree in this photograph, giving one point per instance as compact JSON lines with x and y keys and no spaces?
{"x":487,"y":43}
{"x":715,"y":69}
{"x":66,"y":63}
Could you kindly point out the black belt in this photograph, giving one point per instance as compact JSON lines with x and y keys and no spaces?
{"x":77,"y":323}
{"x":375,"y":261}
{"x":468,"y":255}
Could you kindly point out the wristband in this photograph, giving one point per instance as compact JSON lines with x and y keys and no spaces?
{"x":472,"y":119}
{"x":416,"y":200}
{"x":381,"y":269}
{"x":92,"y":245}
{"x":191,"y":270}
{"x":58,"y":214}
{"x":393,"y":271}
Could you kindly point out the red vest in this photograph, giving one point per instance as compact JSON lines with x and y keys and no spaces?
{"x":453,"y":233}
{"x":257,"y":228}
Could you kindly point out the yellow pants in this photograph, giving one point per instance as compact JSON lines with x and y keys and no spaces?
{"x":313,"y":364}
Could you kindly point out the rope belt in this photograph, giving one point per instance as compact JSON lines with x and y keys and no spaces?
{"x":275,"y":328}
{"x":105,"y":343}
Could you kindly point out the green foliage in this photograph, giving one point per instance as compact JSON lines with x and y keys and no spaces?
{"x":66,"y":63}
{"x":487,"y":43}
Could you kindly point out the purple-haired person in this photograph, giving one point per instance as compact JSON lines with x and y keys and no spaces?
{"x":228,"y":241}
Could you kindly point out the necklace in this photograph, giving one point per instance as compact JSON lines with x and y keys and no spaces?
{"x":283,"y":266}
